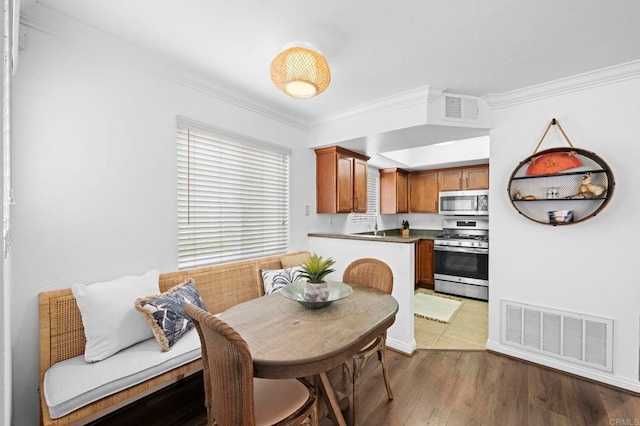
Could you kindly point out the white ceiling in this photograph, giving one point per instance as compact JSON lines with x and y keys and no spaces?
{"x":375,"y":48}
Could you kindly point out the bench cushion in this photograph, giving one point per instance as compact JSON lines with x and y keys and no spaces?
{"x":73,"y":383}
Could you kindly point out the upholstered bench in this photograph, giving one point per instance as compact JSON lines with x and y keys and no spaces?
{"x":74,"y":391}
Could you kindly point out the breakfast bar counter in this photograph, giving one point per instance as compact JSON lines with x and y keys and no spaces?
{"x":390,"y":236}
{"x":396,"y":251}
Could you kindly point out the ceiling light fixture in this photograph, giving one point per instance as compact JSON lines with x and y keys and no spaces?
{"x":300,"y":72}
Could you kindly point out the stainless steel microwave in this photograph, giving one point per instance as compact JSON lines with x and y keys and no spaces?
{"x":464,"y":203}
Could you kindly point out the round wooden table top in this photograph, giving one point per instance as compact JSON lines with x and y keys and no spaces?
{"x":287,"y":340}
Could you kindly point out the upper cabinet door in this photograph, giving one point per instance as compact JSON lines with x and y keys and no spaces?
{"x":394,"y":191}
{"x":359,"y":186}
{"x":475,"y":177}
{"x":345,"y":184}
{"x":402,"y":192}
{"x":341,"y":180}
{"x":423,"y":192}
{"x":450,"y":180}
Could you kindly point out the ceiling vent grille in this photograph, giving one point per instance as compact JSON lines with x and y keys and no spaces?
{"x":577,"y":338}
{"x":461,"y":108}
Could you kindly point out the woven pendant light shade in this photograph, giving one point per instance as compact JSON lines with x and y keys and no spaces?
{"x":300,"y":72}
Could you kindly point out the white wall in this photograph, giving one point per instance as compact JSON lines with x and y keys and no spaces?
{"x":342,"y":223}
{"x":5,"y":382}
{"x":589,"y":267}
{"x":95,"y":179}
{"x":5,"y":291}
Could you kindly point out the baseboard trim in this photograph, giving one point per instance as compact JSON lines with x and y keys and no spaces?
{"x":407,"y":348}
{"x":605,"y":378}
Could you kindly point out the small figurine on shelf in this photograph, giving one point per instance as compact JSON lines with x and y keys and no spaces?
{"x":591,"y":190}
{"x":517,"y":195}
{"x":405,"y":228}
{"x":588,"y":190}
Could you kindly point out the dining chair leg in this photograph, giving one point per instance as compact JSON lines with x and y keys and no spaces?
{"x":355,"y":371}
{"x":315,"y":412}
{"x":345,"y":369}
{"x":385,"y":374}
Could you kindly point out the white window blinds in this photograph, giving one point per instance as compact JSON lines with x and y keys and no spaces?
{"x":233,"y":197}
{"x":373,"y":179}
{"x":373,"y":184}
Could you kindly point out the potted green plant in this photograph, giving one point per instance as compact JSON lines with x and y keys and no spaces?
{"x":314,"y":271}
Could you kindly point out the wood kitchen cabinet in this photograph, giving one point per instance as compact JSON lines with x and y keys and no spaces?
{"x":424,"y":264}
{"x":458,"y":179}
{"x":423,"y":192}
{"x":394,"y":191}
{"x":341,"y":181}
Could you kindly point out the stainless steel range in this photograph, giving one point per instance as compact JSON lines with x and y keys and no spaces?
{"x":462,"y":258}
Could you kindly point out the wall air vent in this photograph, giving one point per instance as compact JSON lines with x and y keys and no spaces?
{"x":461,"y":108}
{"x":577,"y":338}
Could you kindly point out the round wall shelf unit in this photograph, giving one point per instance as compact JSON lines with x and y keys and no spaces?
{"x":561,"y":186}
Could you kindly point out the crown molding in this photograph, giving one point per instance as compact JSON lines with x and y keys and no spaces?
{"x":49,"y":21}
{"x":601,"y":77}
{"x":422,"y":95}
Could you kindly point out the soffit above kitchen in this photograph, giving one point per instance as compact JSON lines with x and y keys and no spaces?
{"x":375,"y":48}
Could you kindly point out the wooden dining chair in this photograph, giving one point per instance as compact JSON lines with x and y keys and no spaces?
{"x":373,"y":273}
{"x":232,"y":395}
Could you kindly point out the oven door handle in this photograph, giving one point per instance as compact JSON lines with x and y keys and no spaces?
{"x":462,"y":249}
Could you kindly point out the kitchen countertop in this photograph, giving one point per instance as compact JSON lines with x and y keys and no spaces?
{"x":387,"y":236}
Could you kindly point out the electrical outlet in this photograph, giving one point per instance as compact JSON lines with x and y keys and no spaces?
{"x":307,"y":210}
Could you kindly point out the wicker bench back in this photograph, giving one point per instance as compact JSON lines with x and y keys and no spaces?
{"x":221,"y":287}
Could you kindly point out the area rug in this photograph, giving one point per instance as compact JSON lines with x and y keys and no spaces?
{"x":435,"y":308}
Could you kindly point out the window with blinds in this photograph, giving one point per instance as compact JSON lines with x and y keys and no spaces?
{"x":373,"y":184}
{"x":233,"y":197}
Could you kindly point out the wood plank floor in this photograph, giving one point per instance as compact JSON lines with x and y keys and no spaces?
{"x":436,"y":387}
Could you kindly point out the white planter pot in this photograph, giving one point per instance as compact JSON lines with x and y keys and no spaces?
{"x":316,"y":292}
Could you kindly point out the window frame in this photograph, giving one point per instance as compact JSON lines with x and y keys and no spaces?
{"x":221,"y":179}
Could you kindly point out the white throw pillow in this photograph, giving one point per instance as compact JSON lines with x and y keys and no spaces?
{"x":111,"y":322}
{"x":274,"y":279}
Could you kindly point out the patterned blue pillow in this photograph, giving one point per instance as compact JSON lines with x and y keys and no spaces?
{"x":273,"y":280}
{"x":165,"y":314}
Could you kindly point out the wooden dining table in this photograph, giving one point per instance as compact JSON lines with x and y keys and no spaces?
{"x":288,"y":340}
